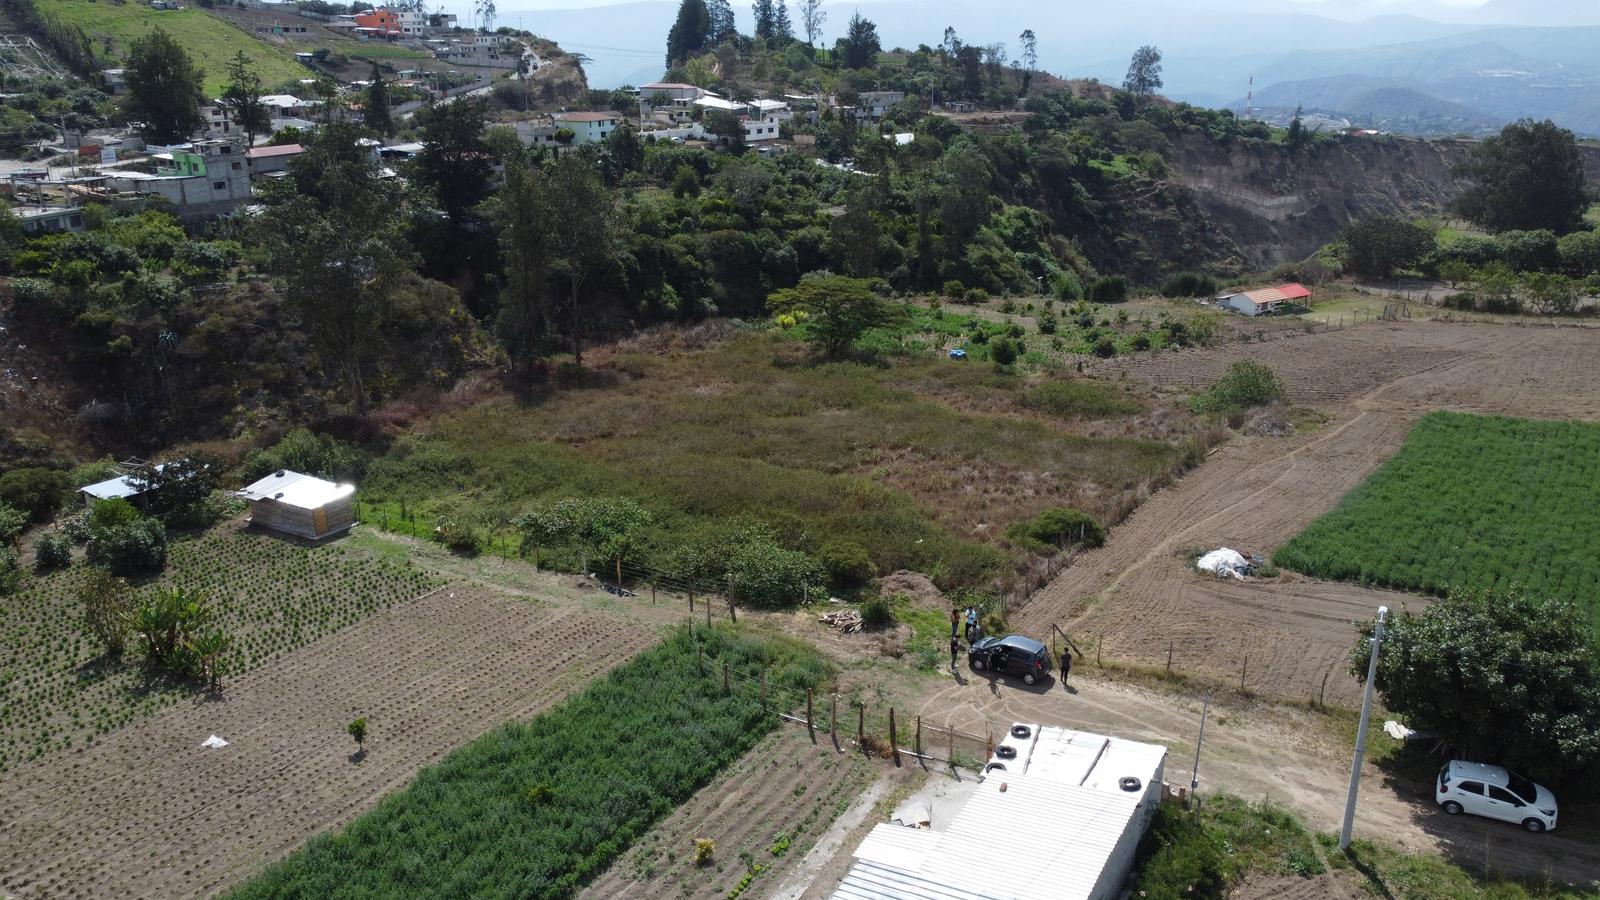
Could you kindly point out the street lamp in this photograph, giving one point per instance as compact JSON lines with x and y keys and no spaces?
{"x":1361,"y":732}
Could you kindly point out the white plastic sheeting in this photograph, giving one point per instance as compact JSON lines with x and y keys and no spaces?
{"x":1223,"y":563}
{"x":213,"y":743}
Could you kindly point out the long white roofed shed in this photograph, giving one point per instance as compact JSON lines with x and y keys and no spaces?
{"x":1061,"y":821}
{"x":301,"y":505}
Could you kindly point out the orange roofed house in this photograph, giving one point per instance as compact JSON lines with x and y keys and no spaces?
{"x":1262,"y":301}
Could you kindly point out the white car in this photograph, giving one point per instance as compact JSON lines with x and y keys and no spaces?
{"x":1469,"y":787}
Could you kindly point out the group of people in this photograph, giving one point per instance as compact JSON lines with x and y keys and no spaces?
{"x":975,"y":633}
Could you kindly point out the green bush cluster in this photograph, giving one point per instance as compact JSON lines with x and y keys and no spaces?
{"x":847,"y":564}
{"x":877,"y":613}
{"x":465,"y":824}
{"x":1056,"y":528}
{"x":1180,"y":857}
{"x":301,"y":450}
{"x":1189,"y":284}
{"x":36,"y":491}
{"x":1246,"y":384}
{"x":1109,"y":289}
{"x":124,"y":541}
{"x":53,"y":550}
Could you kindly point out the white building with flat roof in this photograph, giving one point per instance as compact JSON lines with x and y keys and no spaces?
{"x":1058,"y":816}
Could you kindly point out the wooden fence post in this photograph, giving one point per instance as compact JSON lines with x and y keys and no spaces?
{"x":707,"y":605}
{"x":833,"y":718}
{"x":811,"y":722}
{"x":652,"y":593}
{"x":950,"y":748}
{"x":1243,"y":672}
{"x":1098,"y":643}
{"x":861,"y":726}
{"x":1322,"y":695}
{"x":894,"y":744}
{"x":919,"y":735}
{"x":763,"y":688}
{"x":1169,"y":659}
{"x":727,"y":687}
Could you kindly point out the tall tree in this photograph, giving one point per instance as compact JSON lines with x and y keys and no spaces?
{"x":838,"y":310}
{"x":455,"y":161}
{"x":860,"y":46}
{"x":964,"y":196}
{"x":578,"y":199}
{"x":1030,"y":57}
{"x":1529,"y":176}
{"x":952,"y":43}
{"x":690,"y":32}
{"x":1376,"y":247}
{"x":812,"y":18}
{"x":165,"y":89}
{"x":1501,"y":676}
{"x":1144,"y":73}
{"x":377,"y":116}
{"x":782,"y":28}
{"x":523,"y":224}
{"x":766,"y":18}
{"x":332,"y":235}
{"x":723,"y":26}
{"x":1297,"y":130}
{"x":242,"y":99}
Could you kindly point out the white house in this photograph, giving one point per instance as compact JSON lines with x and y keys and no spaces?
{"x":588,"y":127}
{"x":1264,"y":300}
{"x":1058,"y":814}
{"x":874,"y":105}
{"x":676,"y":100}
{"x":301,"y":505}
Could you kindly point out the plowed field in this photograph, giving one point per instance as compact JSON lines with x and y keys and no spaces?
{"x":1139,"y":593}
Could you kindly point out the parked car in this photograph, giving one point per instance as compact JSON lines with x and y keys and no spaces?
{"x":1469,"y":787}
{"x":1013,"y":654}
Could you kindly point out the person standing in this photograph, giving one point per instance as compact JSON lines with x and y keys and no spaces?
{"x":972,"y":623}
{"x":955,"y":623}
{"x":1066,"y":664}
{"x":955,"y":649}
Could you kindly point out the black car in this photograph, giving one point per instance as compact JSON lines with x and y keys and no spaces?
{"x":1013,"y":654}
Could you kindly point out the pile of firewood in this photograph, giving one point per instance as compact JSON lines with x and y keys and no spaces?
{"x":846,"y":620}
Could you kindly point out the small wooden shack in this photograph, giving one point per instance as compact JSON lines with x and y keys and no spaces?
{"x":301,"y":505}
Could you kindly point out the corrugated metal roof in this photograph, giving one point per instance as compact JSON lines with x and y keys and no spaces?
{"x":296,"y":489}
{"x":120,"y":487}
{"x":897,"y":846}
{"x":1125,"y":759}
{"x":873,"y":881}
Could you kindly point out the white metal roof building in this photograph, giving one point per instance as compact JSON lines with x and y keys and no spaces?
{"x":1061,"y":820}
{"x":298,"y":504}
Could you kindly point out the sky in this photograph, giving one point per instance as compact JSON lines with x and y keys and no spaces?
{"x":1341,"y":9}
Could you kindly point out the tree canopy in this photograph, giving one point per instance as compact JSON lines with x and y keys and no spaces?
{"x":836,"y":310}
{"x":859,"y":48}
{"x":1144,"y":73}
{"x":1502,"y":676}
{"x":690,"y":32}
{"x":165,"y":89}
{"x":242,"y":99}
{"x":1377,"y":247}
{"x":1529,"y":176}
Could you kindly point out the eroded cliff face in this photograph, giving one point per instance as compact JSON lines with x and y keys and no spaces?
{"x":1272,"y":206}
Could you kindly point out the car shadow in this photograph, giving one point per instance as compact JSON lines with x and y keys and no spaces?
{"x":1040,"y":686}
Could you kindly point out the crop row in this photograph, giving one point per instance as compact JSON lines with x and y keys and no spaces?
{"x":57,"y":688}
{"x":1469,"y":501}
{"x":537,"y":808}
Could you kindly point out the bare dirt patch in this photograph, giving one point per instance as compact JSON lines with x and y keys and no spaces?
{"x":769,"y":809}
{"x":1138,"y":592}
{"x":145,"y":812}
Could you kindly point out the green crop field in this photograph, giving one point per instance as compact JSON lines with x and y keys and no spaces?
{"x":1469,"y":501}
{"x":271,"y":596}
{"x":536,"y":809}
{"x":209,"y":39}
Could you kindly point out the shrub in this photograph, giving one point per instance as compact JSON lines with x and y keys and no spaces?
{"x":1068,"y":287}
{"x":37,"y":492}
{"x":955,"y":290}
{"x":1529,"y":251}
{"x":12,"y":524}
{"x":977,"y":295}
{"x":10,"y":569}
{"x":1047,"y":322}
{"x":1246,"y":384}
{"x":847,"y":564}
{"x":358,"y":731}
{"x":1141,"y":341}
{"x":1105,"y":346}
{"x":52,"y":551}
{"x":768,"y":576}
{"x":128,"y":548}
{"x":877,"y":614}
{"x":1178,"y":857}
{"x":1109,"y":289}
{"x":1003,"y":351}
{"x":1056,"y":528}
{"x":1189,"y":284}
{"x":458,"y":538}
{"x":1580,"y":252}
{"x":705,"y":850}
{"x":302,"y":451}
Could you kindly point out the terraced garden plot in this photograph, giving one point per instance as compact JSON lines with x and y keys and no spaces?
{"x":57,"y":690}
{"x":1472,"y":502}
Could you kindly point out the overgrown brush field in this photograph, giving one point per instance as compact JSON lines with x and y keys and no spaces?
{"x":1473,"y":502}
{"x":920,"y":459}
{"x":270,"y":596}
{"x":536,"y":809}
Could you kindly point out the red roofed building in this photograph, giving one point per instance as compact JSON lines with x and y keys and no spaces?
{"x":1266,"y":300}
{"x":267,"y":160}
{"x":386,"y":21}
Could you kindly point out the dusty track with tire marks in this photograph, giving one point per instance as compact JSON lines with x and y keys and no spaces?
{"x":145,"y":813}
{"x":1139,"y":593}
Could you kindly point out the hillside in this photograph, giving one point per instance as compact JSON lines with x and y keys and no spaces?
{"x":212,"y":41}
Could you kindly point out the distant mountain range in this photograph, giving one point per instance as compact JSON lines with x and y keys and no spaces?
{"x":1402,"y":72}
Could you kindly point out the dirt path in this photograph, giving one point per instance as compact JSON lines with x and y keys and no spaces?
{"x":1285,"y":755}
{"x":1285,"y":637}
{"x":146,"y":812}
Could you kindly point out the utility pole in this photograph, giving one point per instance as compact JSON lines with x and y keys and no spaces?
{"x":1361,"y":732}
{"x":1194,"y":777}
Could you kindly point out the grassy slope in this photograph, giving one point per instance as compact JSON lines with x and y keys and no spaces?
{"x":921,"y":460}
{"x":1469,"y":501}
{"x":209,"y":39}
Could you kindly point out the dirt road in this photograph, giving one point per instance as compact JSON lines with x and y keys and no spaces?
{"x":1284,"y":638}
{"x":1287,"y":755}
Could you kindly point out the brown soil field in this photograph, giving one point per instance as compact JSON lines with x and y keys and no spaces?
{"x":1285,"y":636}
{"x":145,"y":812}
{"x":787,"y":787}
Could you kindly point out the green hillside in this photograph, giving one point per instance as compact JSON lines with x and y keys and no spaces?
{"x":212,"y":41}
